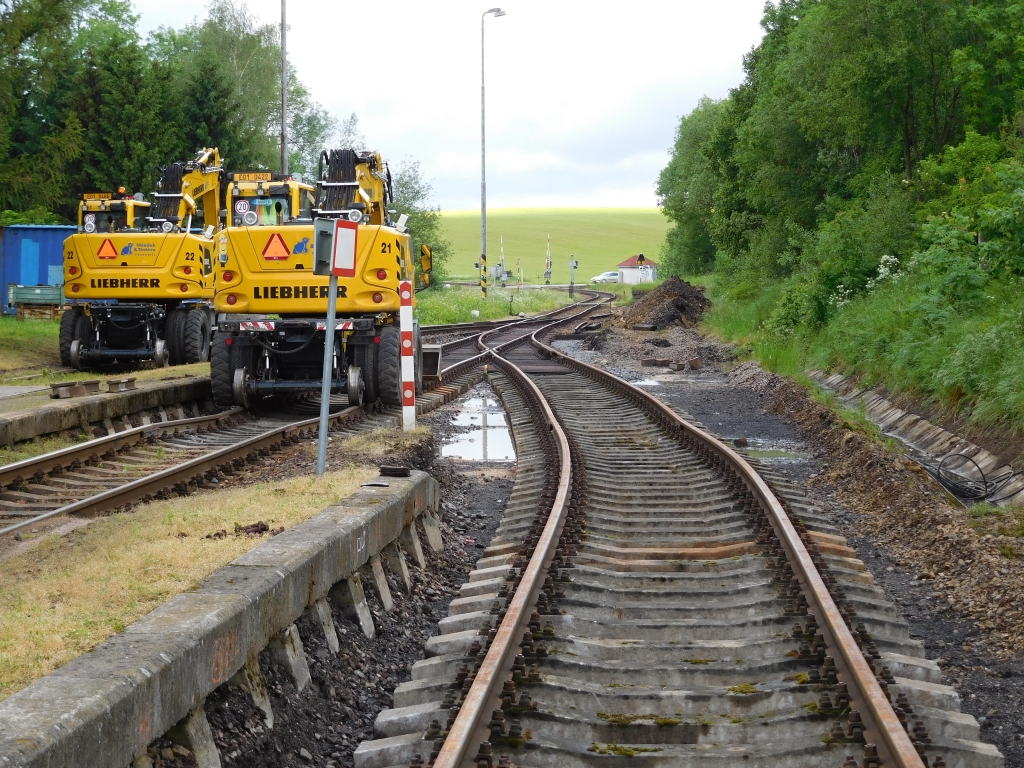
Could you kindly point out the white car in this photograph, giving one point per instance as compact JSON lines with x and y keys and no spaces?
{"x":606,"y":277}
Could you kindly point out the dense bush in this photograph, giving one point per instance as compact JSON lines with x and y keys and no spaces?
{"x":859,"y":198}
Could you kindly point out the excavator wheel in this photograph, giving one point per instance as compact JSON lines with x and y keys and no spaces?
{"x":364,"y":357}
{"x":196,"y":336}
{"x":68,"y":328}
{"x":174,"y":329}
{"x":389,"y":365}
{"x":222,"y":371}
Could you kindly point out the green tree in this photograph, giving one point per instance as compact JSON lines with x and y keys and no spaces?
{"x":38,"y":140}
{"x":412,"y":197}
{"x":118,"y":97}
{"x":686,"y":192}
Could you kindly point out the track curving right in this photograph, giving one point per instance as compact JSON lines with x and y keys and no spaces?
{"x":648,"y":599}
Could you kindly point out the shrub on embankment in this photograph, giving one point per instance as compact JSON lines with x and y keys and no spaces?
{"x":857,"y":203}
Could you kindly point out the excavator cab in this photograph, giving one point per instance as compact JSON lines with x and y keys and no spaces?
{"x":101,"y":212}
{"x":268,"y":199}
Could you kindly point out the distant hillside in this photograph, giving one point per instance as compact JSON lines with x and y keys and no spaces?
{"x":599,"y":238}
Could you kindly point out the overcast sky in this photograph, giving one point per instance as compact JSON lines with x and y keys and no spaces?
{"x":582,"y":98}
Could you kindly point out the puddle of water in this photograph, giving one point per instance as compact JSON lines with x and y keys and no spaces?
{"x":647,"y":383}
{"x":488,"y":437}
{"x":776,"y":450}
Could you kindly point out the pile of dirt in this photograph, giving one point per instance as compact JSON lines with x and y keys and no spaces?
{"x":751,"y":375}
{"x":672,"y":301}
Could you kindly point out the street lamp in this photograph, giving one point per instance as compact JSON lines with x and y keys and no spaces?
{"x":483,"y":163}
{"x":284,"y":90}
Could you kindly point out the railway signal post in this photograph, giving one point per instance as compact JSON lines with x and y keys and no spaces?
{"x":334,"y":253}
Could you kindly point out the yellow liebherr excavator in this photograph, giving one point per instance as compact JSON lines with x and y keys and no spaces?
{"x":271,"y":306}
{"x":142,"y":285}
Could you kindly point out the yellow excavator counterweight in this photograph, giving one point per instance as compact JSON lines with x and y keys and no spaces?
{"x":140,"y":280}
{"x":271,"y":306}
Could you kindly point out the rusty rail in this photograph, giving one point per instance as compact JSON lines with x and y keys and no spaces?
{"x":882,"y":728}
{"x":12,"y":473}
{"x":470,"y":727}
{"x":884,"y":735}
{"x":152,"y":484}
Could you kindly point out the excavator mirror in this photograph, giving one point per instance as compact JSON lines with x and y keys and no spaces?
{"x":426,"y":260}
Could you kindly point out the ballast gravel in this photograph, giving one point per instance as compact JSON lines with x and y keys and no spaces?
{"x":324,"y":724}
{"x":960,"y":593}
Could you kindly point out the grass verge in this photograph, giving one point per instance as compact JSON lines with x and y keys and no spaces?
{"x":28,"y":343}
{"x":440,"y":305}
{"x":45,"y":377}
{"x":69,"y":593}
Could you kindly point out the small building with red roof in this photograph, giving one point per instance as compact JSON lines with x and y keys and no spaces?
{"x":633,"y":273}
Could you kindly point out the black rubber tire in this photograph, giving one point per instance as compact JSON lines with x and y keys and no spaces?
{"x":174,"y":333}
{"x":197,"y":336}
{"x":68,"y":326}
{"x":364,"y":356}
{"x":222,"y":371}
{"x":83,"y":333}
{"x":389,"y":366}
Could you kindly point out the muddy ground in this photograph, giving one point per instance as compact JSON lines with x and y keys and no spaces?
{"x":961,"y":597}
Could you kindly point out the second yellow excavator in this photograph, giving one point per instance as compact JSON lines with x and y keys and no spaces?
{"x":139,"y":278}
{"x":271,"y":307}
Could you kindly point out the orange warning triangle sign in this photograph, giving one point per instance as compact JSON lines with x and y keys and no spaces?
{"x":276,"y":248}
{"x":107,"y":250}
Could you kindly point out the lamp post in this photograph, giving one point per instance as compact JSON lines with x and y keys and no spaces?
{"x":483,"y":161}
{"x":284,"y":91}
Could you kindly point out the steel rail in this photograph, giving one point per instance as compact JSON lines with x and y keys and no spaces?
{"x":470,"y":724}
{"x":483,"y":696}
{"x":501,"y":325}
{"x":47,"y":462}
{"x":890,"y":738}
{"x":559,"y":321}
{"x":153,"y":484}
{"x":491,"y":324}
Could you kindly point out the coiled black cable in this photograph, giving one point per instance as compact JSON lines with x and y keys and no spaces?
{"x":965,"y":489}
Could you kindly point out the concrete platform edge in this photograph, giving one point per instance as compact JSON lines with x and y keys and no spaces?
{"x":61,"y":415}
{"x":104,"y":708}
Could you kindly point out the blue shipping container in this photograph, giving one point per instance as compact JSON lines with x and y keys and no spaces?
{"x":32,"y":254}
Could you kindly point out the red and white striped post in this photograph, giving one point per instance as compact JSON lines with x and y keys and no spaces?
{"x":408,"y":357}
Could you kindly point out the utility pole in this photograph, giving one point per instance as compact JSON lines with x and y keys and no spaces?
{"x":547,"y":264}
{"x":501,"y":260}
{"x":284,"y":90}
{"x":483,"y":160}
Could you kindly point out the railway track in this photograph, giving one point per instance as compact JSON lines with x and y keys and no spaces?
{"x":180,"y":456}
{"x":651,"y":597}
{"x":149,"y":462}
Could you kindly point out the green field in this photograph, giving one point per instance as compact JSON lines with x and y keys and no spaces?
{"x":599,"y":238}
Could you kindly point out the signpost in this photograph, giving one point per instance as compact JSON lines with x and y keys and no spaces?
{"x":572,"y":274}
{"x":547,"y":264}
{"x":334,"y":254}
